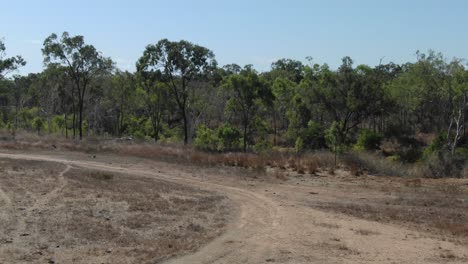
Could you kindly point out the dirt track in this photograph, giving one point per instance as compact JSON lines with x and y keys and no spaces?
{"x":275,"y":224}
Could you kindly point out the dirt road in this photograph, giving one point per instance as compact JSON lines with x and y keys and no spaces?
{"x":275,"y":223}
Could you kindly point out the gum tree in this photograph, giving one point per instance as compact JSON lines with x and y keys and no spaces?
{"x":8,"y":65}
{"x":181,"y":63}
{"x":82,"y":61}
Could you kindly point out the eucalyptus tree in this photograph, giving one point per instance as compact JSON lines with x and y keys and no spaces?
{"x":8,"y":65}
{"x":181,"y":63}
{"x":247,"y":91}
{"x":83,"y":62}
{"x":153,"y":91}
{"x":458,"y":92}
{"x":346,"y":96}
{"x":122,"y":93}
{"x":287,"y":68}
{"x":47,"y":92}
{"x":21,"y":96}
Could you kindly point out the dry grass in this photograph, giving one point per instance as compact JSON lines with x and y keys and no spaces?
{"x":257,"y":164}
{"x":365,"y":232}
{"x":100,"y":217}
{"x":438,"y":206}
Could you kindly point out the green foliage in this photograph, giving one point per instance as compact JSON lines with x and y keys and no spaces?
{"x":224,"y":138}
{"x":462,"y":152}
{"x":331,"y":136}
{"x":262,"y":145}
{"x":248,"y":91}
{"x":228,"y":138}
{"x":368,"y":140}
{"x":436,"y":145}
{"x":313,"y":136}
{"x":206,"y":139}
{"x":138,"y":134}
{"x":411,"y":154}
{"x":299,"y":145}
{"x":179,"y":63}
{"x":443,"y":164}
{"x":82,"y":61}
{"x":38,"y":123}
{"x":9,"y":64}
{"x":59,"y":121}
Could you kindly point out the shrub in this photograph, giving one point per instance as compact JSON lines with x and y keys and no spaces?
{"x":205,"y":139}
{"x":138,"y":134}
{"x":436,"y":145}
{"x":227,"y":138}
{"x":38,"y":123}
{"x":333,"y":139}
{"x":443,"y":164}
{"x":374,"y":164}
{"x":262,"y":146}
{"x":368,"y":140}
{"x":299,"y":145}
{"x":410,"y":154}
{"x":313,"y":136}
{"x":59,"y":122}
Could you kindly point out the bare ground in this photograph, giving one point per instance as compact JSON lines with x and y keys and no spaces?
{"x":305,"y":219}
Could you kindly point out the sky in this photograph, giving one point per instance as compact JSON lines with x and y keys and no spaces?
{"x":254,"y":32}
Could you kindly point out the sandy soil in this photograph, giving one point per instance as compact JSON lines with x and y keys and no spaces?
{"x":278,"y":221}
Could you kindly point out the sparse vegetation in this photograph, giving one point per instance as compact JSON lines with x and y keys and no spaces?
{"x":133,"y":218}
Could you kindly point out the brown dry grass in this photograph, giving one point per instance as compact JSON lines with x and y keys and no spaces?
{"x":99,"y":216}
{"x":436,"y":206}
{"x":257,"y":164}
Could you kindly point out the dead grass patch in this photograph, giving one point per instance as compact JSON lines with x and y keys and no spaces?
{"x":365,"y":232}
{"x":430,"y":208}
{"x":137,"y":219}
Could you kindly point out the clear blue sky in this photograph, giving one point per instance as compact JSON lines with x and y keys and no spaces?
{"x":244,"y":31}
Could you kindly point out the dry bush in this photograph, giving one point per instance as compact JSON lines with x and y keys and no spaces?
{"x":312,"y":167}
{"x":301,"y":170}
{"x":354,"y":169}
{"x":374,"y":164}
{"x":292,"y":163}
{"x":280,"y":175}
{"x":413,"y":183}
{"x":174,"y":153}
{"x":100,"y":175}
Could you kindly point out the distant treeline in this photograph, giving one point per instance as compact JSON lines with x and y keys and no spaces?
{"x":179,"y":93}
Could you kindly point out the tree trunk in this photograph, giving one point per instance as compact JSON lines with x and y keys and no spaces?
{"x":245,"y":136}
{"x":184,"y":116}
{"x":80,"y":119}
{"x":275,"y":128}
{"x":66,"y":125}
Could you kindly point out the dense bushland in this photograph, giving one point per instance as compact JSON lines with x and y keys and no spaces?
{"x":389,"y":118}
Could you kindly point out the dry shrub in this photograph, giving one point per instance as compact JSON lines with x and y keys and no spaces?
{"x":282,"y":159}
{"x":292,"y":163}
{"x":390,"y":147}
{"x":450,"y":189}
{"x":354,"y":169}
{"x":312,"y":166}
{"x":280,"y":175}
{"x":374,"y":164}
{"x":100,"y":175}
{"x":301,"y":170}
{"x":413,"y":183}
{"x":196,"y":158}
